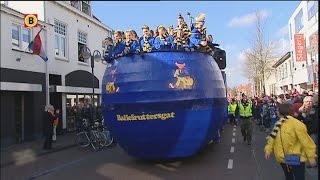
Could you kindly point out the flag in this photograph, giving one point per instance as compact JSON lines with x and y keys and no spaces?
{"x":37,"y":47}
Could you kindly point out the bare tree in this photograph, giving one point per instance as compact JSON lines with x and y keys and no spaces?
{"x":259,"y":57}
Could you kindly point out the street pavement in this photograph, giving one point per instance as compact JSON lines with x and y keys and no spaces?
{"x":230,"y":159}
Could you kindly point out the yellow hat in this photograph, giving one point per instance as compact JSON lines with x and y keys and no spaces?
{"x":145,"y":27}
{"x":200,"y":18}
{"x":129,"y":31}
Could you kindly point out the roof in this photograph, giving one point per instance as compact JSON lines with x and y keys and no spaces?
{"x":282,"y":59}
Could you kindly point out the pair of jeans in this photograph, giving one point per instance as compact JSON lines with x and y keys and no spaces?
{"x":294,"y":172}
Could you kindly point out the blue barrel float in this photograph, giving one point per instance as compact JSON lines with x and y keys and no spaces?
{"x":163,"y":105}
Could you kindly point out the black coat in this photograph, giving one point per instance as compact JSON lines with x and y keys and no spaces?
{"x":48,"y":119}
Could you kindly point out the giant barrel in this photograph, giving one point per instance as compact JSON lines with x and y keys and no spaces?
{"x":163,"y":104}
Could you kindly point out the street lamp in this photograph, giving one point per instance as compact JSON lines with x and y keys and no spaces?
{"x":95,"y":56}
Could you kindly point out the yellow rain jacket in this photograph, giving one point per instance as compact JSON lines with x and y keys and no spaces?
{"x":295,"y":140}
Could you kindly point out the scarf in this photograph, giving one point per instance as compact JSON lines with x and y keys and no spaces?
{"x":277,"y":127}
{"x":146,"y":45}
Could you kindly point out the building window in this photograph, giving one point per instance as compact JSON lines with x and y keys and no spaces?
{"x":285,"y":70}
{"x":75,"y":4}
{"x":60,"y":39}
{"x":290,"y":31}
{"x":298,"y":21}
{"x":86,"y":7}
{"x":82,"y":42}
{"x":20,"y":37}
{"x":290,"y":68}
{"x":83,"y":6}
{"x":26,"y":38}
{"x":103,"y":45}
{"x":312,"y":8}
{"x":15,"y":29}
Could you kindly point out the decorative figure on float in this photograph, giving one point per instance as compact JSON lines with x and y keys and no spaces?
{"x":184,"y":80}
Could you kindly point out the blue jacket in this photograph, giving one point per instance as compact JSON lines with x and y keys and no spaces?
{"x":133,"y":47}
{"x":118,"y":48}
{"x":160,"y":44}
{"x":109,"y":54}
{"x":150,"y":41}
{"x":195,"y":38}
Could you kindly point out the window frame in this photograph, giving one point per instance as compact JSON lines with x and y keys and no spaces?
{"x":79,"y":33}
{"x":301,"y":23}
{"x":61,"y":36}
{"x":22,"y":45}
{"x":80,"y":6}
{"x":313,"y":8}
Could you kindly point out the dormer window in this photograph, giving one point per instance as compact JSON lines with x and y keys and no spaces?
{"x":83,"y":6}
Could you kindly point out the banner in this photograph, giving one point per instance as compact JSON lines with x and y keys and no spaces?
{"x":300,"y":48}
{"x":313,"y":41}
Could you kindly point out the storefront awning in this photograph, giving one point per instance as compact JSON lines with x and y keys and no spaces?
{"x":14,"y":86}
{"x":72,"y":89}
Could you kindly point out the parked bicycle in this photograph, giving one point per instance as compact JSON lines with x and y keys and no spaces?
{"x":94,"y":135}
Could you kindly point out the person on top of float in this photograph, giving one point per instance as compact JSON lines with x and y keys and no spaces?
{"x":108,"y":49}
{"x":119,"y":44}
{"x":181,"y":34}
{"x":132,"y":46}
{"x":164,"y":41}
{"x":146,"y":41}
{"x":198,"y":38}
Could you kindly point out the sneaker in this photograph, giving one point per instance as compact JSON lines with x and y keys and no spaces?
{"x":234,"y":126}
{"x":249,"y":143}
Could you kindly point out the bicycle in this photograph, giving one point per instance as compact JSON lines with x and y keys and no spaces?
{"x":107,"y":135}
{"x":89,"y":136}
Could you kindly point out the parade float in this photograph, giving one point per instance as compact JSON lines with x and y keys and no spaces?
{"x":164,"y":104}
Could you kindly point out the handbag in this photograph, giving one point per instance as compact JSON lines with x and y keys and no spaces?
{"x":290,"y":159}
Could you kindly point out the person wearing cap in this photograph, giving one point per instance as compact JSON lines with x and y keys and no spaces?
{"x":181,"y":34}
{"x":146,"y":41}
{"x":119,"y":44}
{"x":244,"y":111}
{"x":48,"y":120}
{"x":132,"y":46}
{"x":198,"y":38}
{"x":164,"y":41}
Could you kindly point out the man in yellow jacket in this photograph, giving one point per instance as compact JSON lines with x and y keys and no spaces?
{"x":244,"y":110}
{"x":232,"y":111}
{"x":289,"y":137}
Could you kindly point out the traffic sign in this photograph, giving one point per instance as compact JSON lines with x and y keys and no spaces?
{"x":30,"y":20}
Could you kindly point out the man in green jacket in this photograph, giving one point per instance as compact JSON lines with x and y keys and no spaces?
{"x":244,"y":110}
{"x":231,"y":111}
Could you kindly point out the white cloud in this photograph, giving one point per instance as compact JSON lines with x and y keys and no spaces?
{"x":247,"y":19}
{"x":282,"y":46}
{"x":234,"y":70}
{"x":282,"y":32}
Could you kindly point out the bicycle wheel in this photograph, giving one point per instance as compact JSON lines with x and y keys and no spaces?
{"x":102,"y":138}
{"x":82,"y":139}
{"x":109,"y":138}
{"x":95,"y":140}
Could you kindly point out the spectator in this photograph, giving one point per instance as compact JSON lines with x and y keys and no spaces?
{"x":48,"y":119}
{"x":290,"y":137}
{"x":297,"y":103}
{"x":307,"y":114}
